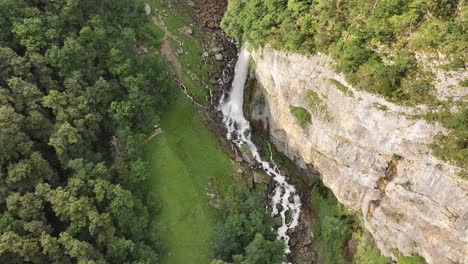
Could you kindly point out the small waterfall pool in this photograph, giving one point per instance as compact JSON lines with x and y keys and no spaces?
{"x":285,"y":202}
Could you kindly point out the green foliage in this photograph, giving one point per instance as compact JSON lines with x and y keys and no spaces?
{"x":464,"y":82}
{"x":335,"y":229}
{"x":317,"y":106}
{"x":301,"y":114}
{"x":374,"y":44}
{"x":408,"y":259}
{"x":342,"y":87}
{"x":185,"y":159}
{"x":453,"y":146}
{"x":381,"y":107}
{"x":366,"y":250}
{"x":66,"y":195}
{"x":263,"y":251}
{"x":333,"y":226}
{"x":247,"y":236}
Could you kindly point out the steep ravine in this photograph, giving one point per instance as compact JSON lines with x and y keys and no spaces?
{"x":374,"y":156}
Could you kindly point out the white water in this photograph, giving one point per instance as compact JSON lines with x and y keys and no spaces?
{"x":284,"y":200}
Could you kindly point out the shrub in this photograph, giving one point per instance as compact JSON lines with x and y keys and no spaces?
{"x":302,"y":116}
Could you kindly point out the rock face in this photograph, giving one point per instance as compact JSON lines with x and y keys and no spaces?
{"x":373,"y":154}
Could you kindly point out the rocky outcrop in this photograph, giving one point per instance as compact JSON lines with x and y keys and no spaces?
{"x":373,"y":154}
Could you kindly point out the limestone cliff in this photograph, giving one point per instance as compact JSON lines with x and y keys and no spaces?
{"x":373,"y":154}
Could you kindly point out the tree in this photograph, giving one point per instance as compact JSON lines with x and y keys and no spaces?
{"x":11,"y":134}
{"x":62,"y":64}
{"x":30,"y":32}
{"x":262,"y":251}
{"x":246,"y":219}
{"x":82,"y":251}
{"x":24,"y":248}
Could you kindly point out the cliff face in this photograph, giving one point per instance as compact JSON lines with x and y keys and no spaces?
{"x":374,"y":155}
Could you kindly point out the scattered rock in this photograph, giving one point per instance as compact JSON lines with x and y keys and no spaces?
{"x":239,"y":171}
{"x":219,"y":57}
{"x":179,"y":51}
{"x":215,"y":204}
{"x":205,"y":54}
{"x":190,"y":3}
{"x":261,"y":177}
{"x":248,"y":157}
{"x":186,"y":30}
{"x":216,"y":50}
{"x":147,"y":9}
{"x":212,"y":24}
{"x":141,"y":49}
{"x":302,"y":237}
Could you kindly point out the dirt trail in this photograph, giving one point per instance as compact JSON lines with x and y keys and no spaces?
{"x":166,"y":49}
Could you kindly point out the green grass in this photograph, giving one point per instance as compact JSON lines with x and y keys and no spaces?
{"x":302,"y":116}
{"x":317,"y":106}
{"x":413,"y":259}
{"x":182,"y":161}
{"x":381,"y":107}
{"x":195,"y":74}
{"x":342,"y":87}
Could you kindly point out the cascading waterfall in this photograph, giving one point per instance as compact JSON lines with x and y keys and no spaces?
{"x":284,"y":201}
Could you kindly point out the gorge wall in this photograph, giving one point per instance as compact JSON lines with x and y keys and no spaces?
{"x":374,"y":155}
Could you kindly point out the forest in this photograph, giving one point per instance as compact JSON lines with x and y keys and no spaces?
{"x":74,"y":94}
{"x":77,"y":102}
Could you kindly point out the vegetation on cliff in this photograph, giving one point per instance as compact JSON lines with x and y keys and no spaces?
{"x":375,"y":43}
{"x":74,"y":94}
{"x":382,"y":46}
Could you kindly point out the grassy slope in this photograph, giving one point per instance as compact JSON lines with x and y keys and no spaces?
{"x":185,"y":156}
{"x":195,"y":73}
{"x":182,"y":160}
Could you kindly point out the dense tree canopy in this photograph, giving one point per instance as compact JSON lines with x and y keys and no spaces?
{"x":246,"y":236}
{"x":73,"y":96}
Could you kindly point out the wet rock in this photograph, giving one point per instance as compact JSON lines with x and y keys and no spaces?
{"x":248,"y":157}
{"x":301,"y":242}
{"x":261,"y":177}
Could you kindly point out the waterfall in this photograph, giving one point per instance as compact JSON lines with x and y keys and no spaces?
{"x":284,"y":201}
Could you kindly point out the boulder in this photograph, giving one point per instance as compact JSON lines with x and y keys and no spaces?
{"x":261,"y":177}
{"x":186,"y":30}
{"x":216,"y":50}
{"x":147,"y":9}
{"x":219,"y":56}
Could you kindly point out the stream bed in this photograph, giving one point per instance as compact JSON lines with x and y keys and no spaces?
{"x":285,"y":201}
